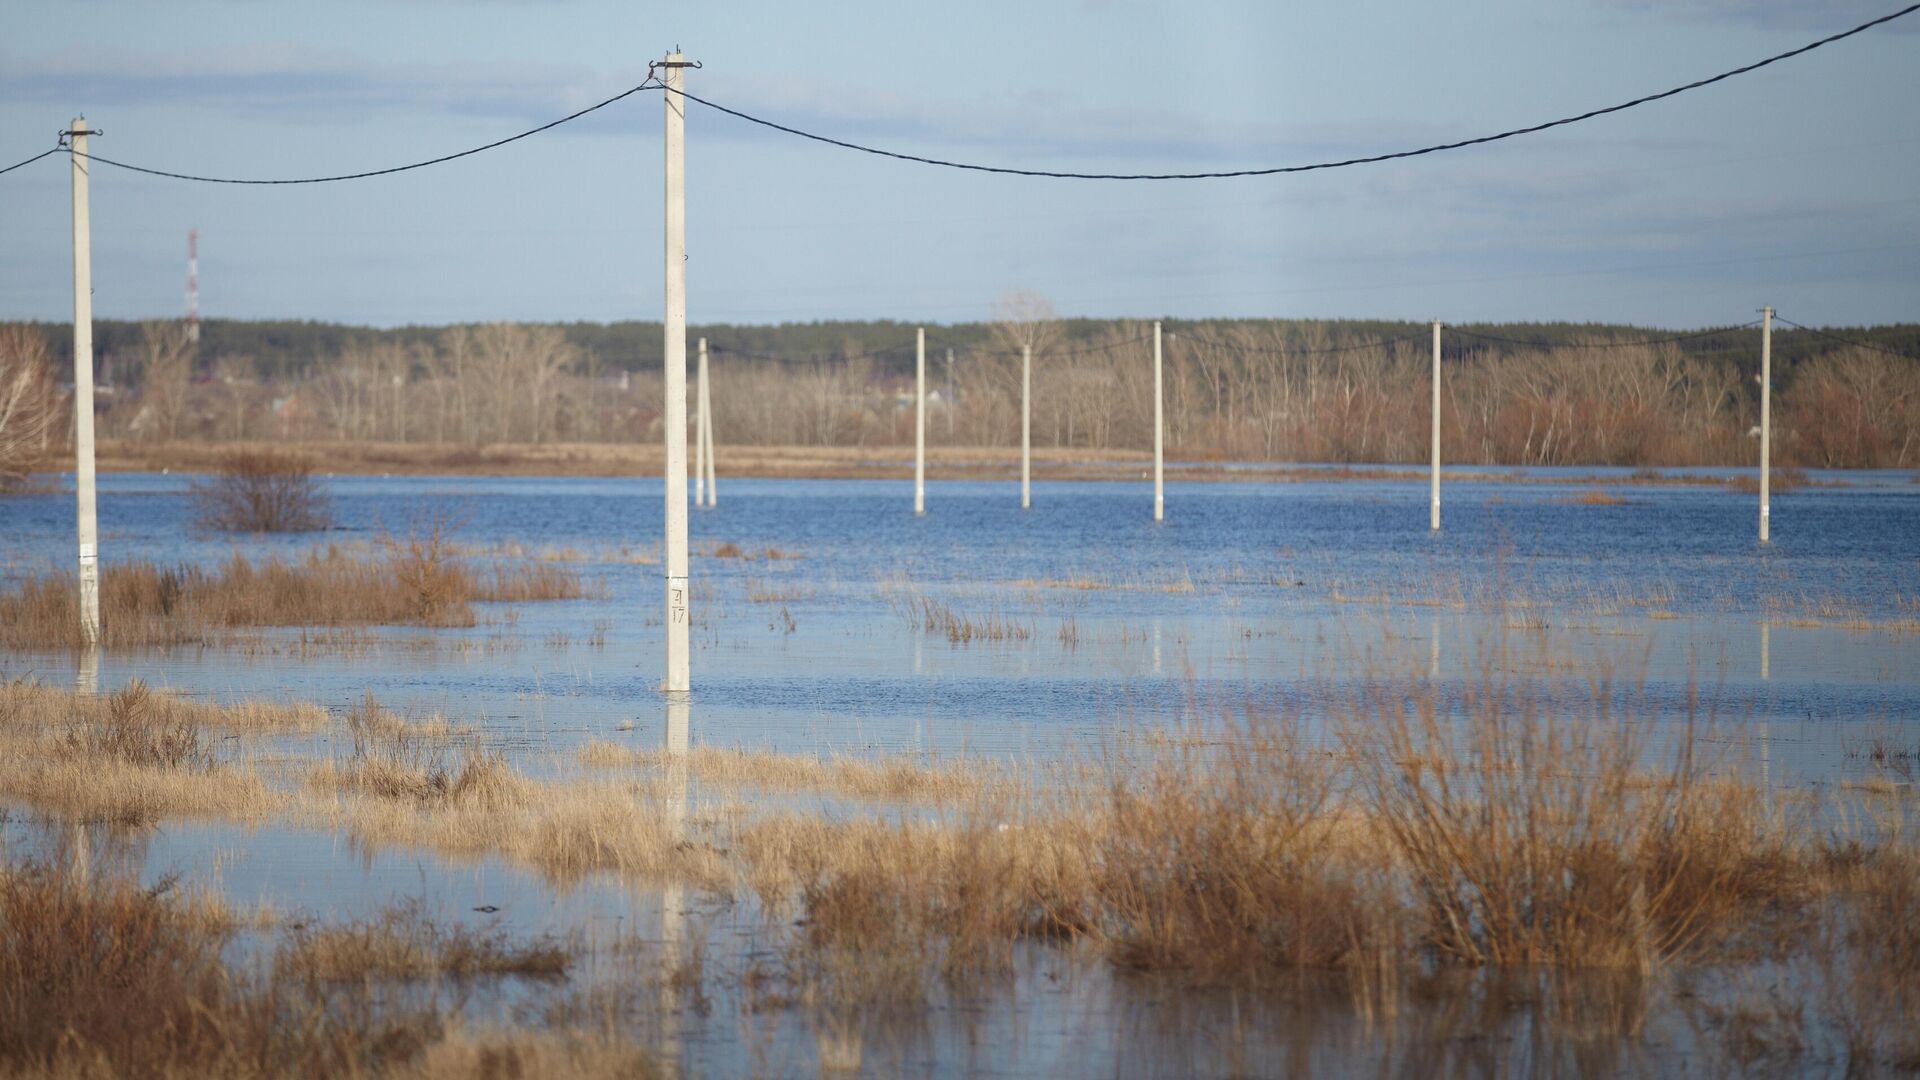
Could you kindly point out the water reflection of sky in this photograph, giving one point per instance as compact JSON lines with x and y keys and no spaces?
{"x":1277,"y":594}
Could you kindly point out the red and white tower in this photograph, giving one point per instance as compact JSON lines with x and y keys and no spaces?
{"x":193,"y":285}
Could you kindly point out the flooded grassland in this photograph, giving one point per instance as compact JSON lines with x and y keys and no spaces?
{"x":1286,"y":784}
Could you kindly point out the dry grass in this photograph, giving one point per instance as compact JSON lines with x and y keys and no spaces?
{"x":418,"y":580}
{"x":1593,"y":498}
{"x":106,"y":978}
{"x":864,"y":778}
{"x":134,"y":756}
{"x":401,"y":943}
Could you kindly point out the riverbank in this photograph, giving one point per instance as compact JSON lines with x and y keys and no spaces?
{"x":846,"y":463}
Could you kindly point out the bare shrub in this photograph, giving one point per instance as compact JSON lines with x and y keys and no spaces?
{"x":433,"y":580}
{"x":140,"y":728}
{"x":261,"y":491}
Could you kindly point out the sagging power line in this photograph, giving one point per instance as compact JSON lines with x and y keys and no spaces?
{"x":652,"y":82}
{"x":1321,"y":165}
{"x":1844,"y":340}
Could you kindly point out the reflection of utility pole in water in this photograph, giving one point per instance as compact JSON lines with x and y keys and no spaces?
{"x":86,"y":674}
{"x":1766,"y":728}
{"x":1156,"y":646}
{"x":1433,"y":649}
{"x":672,"y":898}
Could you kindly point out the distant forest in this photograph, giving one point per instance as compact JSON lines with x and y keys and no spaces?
{"x":1242,"y":389}
{"x":282,"y":349}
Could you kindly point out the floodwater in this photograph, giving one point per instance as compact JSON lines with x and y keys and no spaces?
{"x":1277,"y":596}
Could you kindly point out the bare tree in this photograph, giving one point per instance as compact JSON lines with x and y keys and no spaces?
{"x":166,"y":369}
{"x":28,"y":406}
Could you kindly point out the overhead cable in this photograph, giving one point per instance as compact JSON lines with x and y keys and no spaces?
{"x":31,"y":160}
{"x":550,"y":125}
{"x":1278,"y":170}
{"x":652,"y":83}
{"x":1844,"y":340}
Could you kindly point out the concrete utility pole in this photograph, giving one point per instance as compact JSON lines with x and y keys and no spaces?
{"x":1159,"y":427}
{"x":700,"y":429}
{"x":1766,"y":414}
{"x":1026,"y":426}
{"x":83,"y":389}
{"x":706,"y":429}
{"x":920,"y":422}
{"x":675,"y":403}
{"x":949,"y":401}
{"x":1434,"y":523}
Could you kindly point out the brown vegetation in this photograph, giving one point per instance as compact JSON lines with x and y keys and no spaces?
{"x":401,"y":943}
{"x":104,"y":978}
{"x":1524,"y":829}
{"x":134,"y":756}
{"x":261,"y":491}
{"x":417,"y":581}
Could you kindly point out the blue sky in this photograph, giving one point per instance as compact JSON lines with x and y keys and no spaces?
{"x":1797,"y":186}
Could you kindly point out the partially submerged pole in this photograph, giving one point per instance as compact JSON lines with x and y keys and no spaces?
{"x":1766,"y":414}
{"x":1159,"y":427}
{"x":675,"y":404}
{"x":83,"y":484}
{"x":1434,"y":521}
{"x":920,"y":422}
{"x":1026,"y":426}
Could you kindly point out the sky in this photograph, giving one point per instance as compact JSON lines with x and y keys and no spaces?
{"x":1796,"y":186}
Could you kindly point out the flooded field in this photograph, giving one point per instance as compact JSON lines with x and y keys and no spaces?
{"x":989,"y":670}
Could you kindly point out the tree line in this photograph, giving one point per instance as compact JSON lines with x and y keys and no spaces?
{"x":1268,"y":390}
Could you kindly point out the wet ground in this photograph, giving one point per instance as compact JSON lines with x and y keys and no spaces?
{"x":1284,"y":597}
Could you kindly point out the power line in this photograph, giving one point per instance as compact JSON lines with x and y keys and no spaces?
{"x":31,"y":160}
{"x":651,"y":83}
{"x":550,"y":125}
{"x":1372,"y":159}
{"x":1605,"y":344}
{"x":1843,"y":340}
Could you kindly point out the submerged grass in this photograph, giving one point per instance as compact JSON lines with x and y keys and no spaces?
{"x":1515,"y":830}
{"x":134,"y":756}
{"x":416,"y":580}
{"x":105,"y":978}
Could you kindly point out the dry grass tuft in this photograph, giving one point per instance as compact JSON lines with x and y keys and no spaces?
{"x":134,"y":756}
{"x":1526,"y":835}
{"x":934,"y":617}
{"x":401,"y":943}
